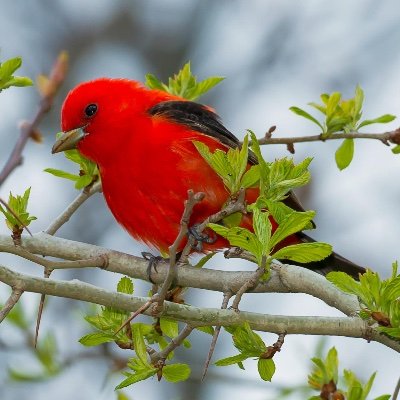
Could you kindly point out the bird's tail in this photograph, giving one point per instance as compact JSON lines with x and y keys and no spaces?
{"x":334,"y":262}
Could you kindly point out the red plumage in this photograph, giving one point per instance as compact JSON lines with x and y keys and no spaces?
{"x":142,"y":141}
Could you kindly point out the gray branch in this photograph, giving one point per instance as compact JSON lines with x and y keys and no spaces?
{"x":194,"y":316}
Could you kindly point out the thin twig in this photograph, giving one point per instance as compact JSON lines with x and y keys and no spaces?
{"x":47,"y":273}
{"x":396,"y":390}
{"x":139,"y":311}
{"x":217,"y":330}
{"x":28,"y":129}
{"x":276,"y":347}
{"x":10,"y":303}
{"x":386,"y":138}
{"x":193,"y":199}
{"x":173,"y":344}
{"x":75,"y":204}
{"x":249,"y":284}
{"x":233,"y":206}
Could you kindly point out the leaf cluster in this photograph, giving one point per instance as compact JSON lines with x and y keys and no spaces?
{"x":231,"y":166}
{"x":325,"y":379}
{"x":250,"y":345}
{"x":341,"y":116}
{"x":19,"y":217}
{"x":7,"y":79}
{"x":279,"y":177}
{"x":184,"y":84}
{"x":379,"y":299}
{"x":88,"y":171}
{"x":139,"y":337}
{"x":275,"y":180}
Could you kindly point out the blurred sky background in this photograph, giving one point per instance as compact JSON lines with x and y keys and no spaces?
{"x":274,"y":54}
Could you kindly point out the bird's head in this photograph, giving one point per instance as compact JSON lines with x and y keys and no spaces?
{"x":96,"y":116}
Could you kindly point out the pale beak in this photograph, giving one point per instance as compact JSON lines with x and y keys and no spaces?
{"x":68,"y":140}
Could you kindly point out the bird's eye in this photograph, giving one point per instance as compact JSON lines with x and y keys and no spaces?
{"x":90,"y":110}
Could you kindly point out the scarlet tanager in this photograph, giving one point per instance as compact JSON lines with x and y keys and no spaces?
{"x":142,"y":142}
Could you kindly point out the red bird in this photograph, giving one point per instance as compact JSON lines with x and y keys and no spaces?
{"x":142,"y":142}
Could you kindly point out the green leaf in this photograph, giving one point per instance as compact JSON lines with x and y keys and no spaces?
{"x":306,"y":115}
{"x":240,"y":237}
{"x":83,"y":181}
{"x":184,"y":84}
{"x":139,"y":344}
{"x":393,"y":332}
{"x":344,"y":282}
{"x":358,"y":100}
{"x":344,"y":154}
{"x":383,"y":397}
{"x":122,"y":396}
{"x":17,"y":317}
{"x":94,"y":339}
{"x":247,"y":341}
{"x":293,"y":223}
{"x":368,"y":385}
{"x":169,"y":327}
{"x":333,"y":102}
{"x":266,"y":368}
{"x":304,"y":252}
{"x":203,"y":87}
{"x":231,"y":360}
{"x":62,"y":174}
{"x":154,"y":83}
{"x":205,"y":259}
{"x":17,"y":81}
{"x":125,"y":285}
{"x":8,"y":67}
{"x":251,"y":177}
{"x":396,"y":149}
{"x":176,"y":372}
{"x":383,"y":119}
{"x":137,"y":377}
{"x":262,"y":228}
{"x":206,"y":329}
{"x":392,"y":290}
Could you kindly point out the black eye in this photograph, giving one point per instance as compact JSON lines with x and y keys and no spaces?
{"x":90,"y":110}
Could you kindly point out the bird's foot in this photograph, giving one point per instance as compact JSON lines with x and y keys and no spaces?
{"x":197,"y":238}
{"x":153,"y":263}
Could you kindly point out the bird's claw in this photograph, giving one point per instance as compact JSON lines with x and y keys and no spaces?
{"x":198,"y":238}
{"x":153,"y":263}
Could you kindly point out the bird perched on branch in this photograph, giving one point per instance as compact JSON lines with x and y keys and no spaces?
{"x":142,"y":141}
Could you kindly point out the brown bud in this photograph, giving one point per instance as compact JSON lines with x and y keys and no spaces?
{"x":327,"y":390}
{"x":36,"y":136}
{"x":44,"y":85}
{"x":338,"y":396}
{"x":59,"y":70}
{"x":381,"y":318}
{"x":395,"y":136}
{"x":290,"y":147}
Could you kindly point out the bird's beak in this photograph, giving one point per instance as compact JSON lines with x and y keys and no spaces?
{"x":68,"y":140}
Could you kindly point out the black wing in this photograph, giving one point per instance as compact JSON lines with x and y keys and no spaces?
{"x":199,"y":118}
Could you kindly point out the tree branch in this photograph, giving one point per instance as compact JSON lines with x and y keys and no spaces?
{"x":386,"y":138}
{"x":11,"y":302}
{"x":173,"y":344}
{"x":28,"y":129}
{"x":194,"y":316}
{"x":284,"y":278}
